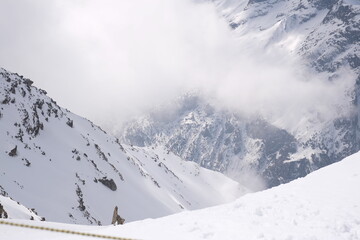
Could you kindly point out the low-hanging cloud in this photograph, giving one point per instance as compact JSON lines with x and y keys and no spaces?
{"x":110,"y":60}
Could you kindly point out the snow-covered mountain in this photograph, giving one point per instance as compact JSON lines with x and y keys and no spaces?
{"x":70,"y":170}
{"x":322,"y":205}
{"x":326,"y":36}
{"x":251,"y":151}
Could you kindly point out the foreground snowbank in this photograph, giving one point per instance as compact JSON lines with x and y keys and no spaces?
{"x":323,"y":205}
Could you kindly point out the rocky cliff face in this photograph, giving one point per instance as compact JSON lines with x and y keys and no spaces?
{"x":224,"y":142}
{"x":325,"y":34}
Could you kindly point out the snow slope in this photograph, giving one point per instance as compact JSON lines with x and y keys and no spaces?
{"x":323,"y":205}
{"x":70,"y":170}
{"x":15,"y":210}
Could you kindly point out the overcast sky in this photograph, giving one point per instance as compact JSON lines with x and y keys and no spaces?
{"x":109,"y":60}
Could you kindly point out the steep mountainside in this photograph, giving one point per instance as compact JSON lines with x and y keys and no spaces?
{"x":326,"y":36}
{"x":69,"y":170}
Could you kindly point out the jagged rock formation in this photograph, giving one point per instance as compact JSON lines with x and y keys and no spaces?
{"x":108,"y":183}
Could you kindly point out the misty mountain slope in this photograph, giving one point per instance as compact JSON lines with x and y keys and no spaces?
{"x":240,"y":147}
{"x":325,"y":36}
{"x":322,"y":205}
{"x":69,"y":170}
{"x":243,"y":147}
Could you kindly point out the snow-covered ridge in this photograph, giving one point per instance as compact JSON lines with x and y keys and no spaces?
{"x":70,"y":170}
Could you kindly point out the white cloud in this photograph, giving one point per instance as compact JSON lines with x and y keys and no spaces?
{"x":108,"y":60}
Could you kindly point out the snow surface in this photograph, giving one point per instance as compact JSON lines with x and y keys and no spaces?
{"x":15,"y":210}
{"x":323,"y":205}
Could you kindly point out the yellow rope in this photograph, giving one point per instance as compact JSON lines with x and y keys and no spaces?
{"x":62,"y":231}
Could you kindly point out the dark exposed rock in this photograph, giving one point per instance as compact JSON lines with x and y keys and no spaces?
{"x":27,"y":162}
{"x":70,"y":122}
{"x":234,"y":25}
{"x":28,"y":82}
{"x":79,"y":178}
{"x":100,"y":153}
{"x":343,"y":13}
{"x":13,"y":152}
{"x":79,"y":193}
{"x":3,"y":213}
{"x":3,"y":192}
{"x":32,"y":122}
{"x":108,"y":183}
{"x":34,"y":211}
{"x":6,"y":100}
{"x":43,"y":92}
{"x":39,"y":103}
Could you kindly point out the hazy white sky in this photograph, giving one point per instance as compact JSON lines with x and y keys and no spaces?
{"x":96,"y":57}
{"x":110,"y":59}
